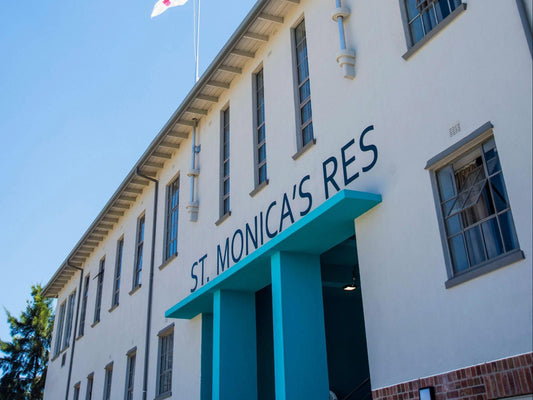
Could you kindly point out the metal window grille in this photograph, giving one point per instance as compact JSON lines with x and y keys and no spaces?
{"x":107,"y":382}
{"x":137,"y":274}
{"x":261,"y":166}
{"x":166,"y":344}
{"x":424,"y":15}
{"x":99,"y":286}
{"x":130,"y":376}
{"x":475,"y":207}
{"x":304,"y":88}
{"x":59,"y":332}
{"x":81,"y":327}
{"x":118,"y":272}
{"x":225,"y":163}
{"x":70,"y":314}
{"x":171,"y":247}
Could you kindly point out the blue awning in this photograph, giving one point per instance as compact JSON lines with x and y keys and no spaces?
{"x":327,"y":225}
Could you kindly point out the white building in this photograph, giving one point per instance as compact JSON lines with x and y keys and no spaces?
{"x":401,"y":163}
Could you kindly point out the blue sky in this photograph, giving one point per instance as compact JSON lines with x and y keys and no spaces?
{"x":84,"y":88}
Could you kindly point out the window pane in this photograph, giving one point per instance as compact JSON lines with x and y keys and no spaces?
{"x":416,"y":30}
{"x":498,"y":191}
{"x":458,"y":252}
{"x":305,"y":92}
{"x":474,"y":242}
{"x":443,"y":9}
{"x":262,"y":174}
{"x":509,"y":237}
{"x":445,"y":178}
{"x":306,"y":113}
{"x":482,"y":209}
{"x":493,"y":241}
{"x":453,"y":225}
{"x":412,"y":11}
{"x":307,"y":134}
{"x":429,"y":20}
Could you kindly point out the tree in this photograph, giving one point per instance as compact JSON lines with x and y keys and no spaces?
{"x":26,"y":356}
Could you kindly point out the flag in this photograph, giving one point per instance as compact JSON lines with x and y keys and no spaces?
{"x":162,"y":5}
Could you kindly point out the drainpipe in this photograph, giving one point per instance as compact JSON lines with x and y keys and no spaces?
{"x":73,"y":332}
{"x":150,"y":285}
{"x":193,"y":205}
{"x":345,"y":56}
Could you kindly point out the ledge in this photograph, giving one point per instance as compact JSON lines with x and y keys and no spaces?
{"x":113,"y":308}
{"x":135,"y":290}
{"x":79,"y":337}
{"x":299,"y":153}
{"x":95,"y":323}
{"x":223,"y":218}
{"x":488,"y":266}
{"x":445,"y":22}
{"x":259,"y":187}
{"x":168,"y":261}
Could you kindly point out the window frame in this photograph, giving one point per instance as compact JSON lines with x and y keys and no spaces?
{"x":83,"y":314}
{"x":58,"y":346}
{"x":129,"y":384}
{"x":108,"y":380}
{"x":90,"y":386}
{"x":164,"y":335}
{"x":413,"y":47}
{"x":77,"y":389}
{"x":139,"y":252}
{"x":67,"y":334}
{"x":225,"y":122}
{"x":257,"y":126}
{"x":169,"y":212}
{"x":99,"y":290}
{"x":444,"y":159}
{"x":119,"y":258}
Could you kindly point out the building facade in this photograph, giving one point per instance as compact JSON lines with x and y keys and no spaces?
{"x":341,"y":204}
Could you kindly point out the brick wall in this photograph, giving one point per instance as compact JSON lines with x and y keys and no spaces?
{"x":503,"y":378}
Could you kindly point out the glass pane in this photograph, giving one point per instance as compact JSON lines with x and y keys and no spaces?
{"x":226,"y":186}
{"x":307,"y":134}
{"x":493,"y":241}
{"x":261,"y":153}
{"x":303,"y":71}
{"x":305,"y":113}
{"x":226,"y":168}
{"x":260,"y":114}
{"x":262,"y":173}
{"x":498,"y":191}
{"x":491,"y":157}
{"x":429,"y":19}
{"x":458,"y":252}
{"x":445,"y":179}
{"x":455,"y":4}
{"x":482,"y":209}
{"x":507,"y":227}
{"x":412,"y":11}
{"x":443,"y":9}
{"x":261,"y":134}
{"x":474,"y":242}
{"x":305,"y":92}
{"x":453,"y":225}
{"x":416,"y":30}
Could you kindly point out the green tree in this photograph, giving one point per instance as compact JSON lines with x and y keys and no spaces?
{"x":26,"y":356}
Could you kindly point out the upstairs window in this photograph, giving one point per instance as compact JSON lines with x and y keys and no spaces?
{"x":173,"y":202}
{"x":99,"y":286}
{"x":59,"y":332}
{"x":130,"y":375}
{"x":70,"y":315}
{"x":89,"y":392}
{"x":107,"y":381}
{"x":81,"y":328}
{"x":118,"y":272}
{"x":304,"y":89}
{"x":225,"y":167}
{"x":260,"y":145}
{"x":139,"y":253}
{"x":166,"y":349}
{"x":477,"y":222}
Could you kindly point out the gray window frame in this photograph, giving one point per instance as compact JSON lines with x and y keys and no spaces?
{"x":77,"y":388}
{"x":83,"y":314}
{"x":129,"y":384}
{"x":90,"y":386}
{"x":115,"y":296}
{"x":169,"y":212}
{"x":225,"y":122}
{"x":99,"y":290}
{"x":108,"y":380}
{"x":301,"y":147}
{"x":60,"y":325}
{"x":257,"y":126}
{"x":472,"y":141}
{"x":69,"y":320}
{"x":163,"y":335}
{"x":413,"y":47}
{"x":139,"y":252}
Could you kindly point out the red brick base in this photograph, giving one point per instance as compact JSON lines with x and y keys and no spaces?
{"x":503,"y":378}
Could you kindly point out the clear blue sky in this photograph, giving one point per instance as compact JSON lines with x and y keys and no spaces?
{"x":84,"y":88}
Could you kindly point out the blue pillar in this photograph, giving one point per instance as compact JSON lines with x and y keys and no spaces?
{"x":300,"y":358}
{"x":206,"y":377}
{"x":234,"y":346}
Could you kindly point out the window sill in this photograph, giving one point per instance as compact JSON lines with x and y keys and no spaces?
{"x":95,"y":323}
{"x":79,"y":337}
{"x":445,"y":22}
{"x":259,"y":187}
{"x":113,"y":308}
{"x":299,"y":153}
{"x":223,"y":218}
{"x":162,"y":396}
{"x":488,"y":266}
{"x":168,"y":261}
{"x":135,"y":290}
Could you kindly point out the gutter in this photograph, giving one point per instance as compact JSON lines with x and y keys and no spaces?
{"x":74,"y":327}
{"x":150,"y":285}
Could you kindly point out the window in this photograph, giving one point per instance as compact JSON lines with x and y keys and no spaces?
{"x":70,"y":314}
{"x":100,"y":284}
{"x":166,"y":346}
{"x":89,"y":393}
{"x":77,"y":391}
{"x":107,"y":381}
{"x":139,"y":253}
{"x":118,"y":271}
{"x":171,"y":241}
{"x":304,"y":89}
{"x":260,"y":142}
{"x":224,"y":165}
{"x":59,"y":331}
{"x":130,"y":375}
{"x":477,"y":223}
{"x":81,"y":328}
{"x":422,"y":16}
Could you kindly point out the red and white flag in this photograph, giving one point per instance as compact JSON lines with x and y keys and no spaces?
{"x":162,"y":5}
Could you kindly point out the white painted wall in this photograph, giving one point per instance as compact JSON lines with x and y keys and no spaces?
{"x":476,"y":70}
